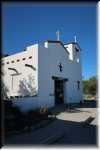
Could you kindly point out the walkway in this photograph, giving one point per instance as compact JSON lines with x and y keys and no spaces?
{"x":68,"y":123}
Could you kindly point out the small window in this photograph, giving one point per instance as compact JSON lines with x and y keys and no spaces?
{"x":12,"y":61}
{"x":18,"y":60}
{"x":24,"y":58}
{"x":16,"y":97}
{"x":8,"y":62}
{"x":77,"y":50}
{"x":30,"y":57}
{"x":78,"y":85}
{"x":11,"y":97}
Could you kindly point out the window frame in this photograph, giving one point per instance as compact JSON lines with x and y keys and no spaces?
{"x":12,"y":61}
{"x":78,"y":85}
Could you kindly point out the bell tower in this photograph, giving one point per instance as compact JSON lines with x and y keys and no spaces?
{"x":76,"y":52}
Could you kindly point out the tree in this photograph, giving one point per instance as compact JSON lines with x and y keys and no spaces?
{"x":4,"y":91}
{"x":86,"y":86}
{"x":90,"y":86}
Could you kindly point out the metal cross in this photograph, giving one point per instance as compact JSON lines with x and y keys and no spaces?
{"x":60,"y":67}
{"x":58,"y":35}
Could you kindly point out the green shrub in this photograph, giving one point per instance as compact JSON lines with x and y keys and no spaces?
{"x":14,"y":119}
{"x":32,"y":116}
{"x":44,"y":110}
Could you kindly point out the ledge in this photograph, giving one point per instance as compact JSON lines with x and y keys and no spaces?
{"x":59,"y":78}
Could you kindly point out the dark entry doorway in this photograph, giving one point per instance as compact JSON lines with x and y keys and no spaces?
{"x":59,"y":91}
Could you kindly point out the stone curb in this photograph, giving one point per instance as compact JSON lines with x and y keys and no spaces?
{"x":87,"y":121}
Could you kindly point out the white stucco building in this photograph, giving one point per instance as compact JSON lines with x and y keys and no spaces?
{"x":44,"y":75}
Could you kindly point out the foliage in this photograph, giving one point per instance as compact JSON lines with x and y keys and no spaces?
{"x":4,"y":91}
{"x":90,"y":86}
{"x":43,"y":110}
{"x":14,"y":118}
{"x":17,"y":120}
{"x":37,"y":114}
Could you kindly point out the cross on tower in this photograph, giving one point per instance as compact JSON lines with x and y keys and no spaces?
{"x":75,"y":39}
{"x":58,"y":35}
{"x":60,"y":67}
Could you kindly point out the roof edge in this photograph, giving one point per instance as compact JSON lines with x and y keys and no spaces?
{"x":51,"y":41}
{"x":73,"y":43}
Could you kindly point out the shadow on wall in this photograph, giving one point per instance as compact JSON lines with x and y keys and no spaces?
{"x":27,"y":87}
{"x":4,"y":91}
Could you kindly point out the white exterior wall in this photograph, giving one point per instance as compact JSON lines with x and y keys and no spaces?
{"x":69,"y":48}
{"x":22,"y":82}
{"x":49,"y":59}
{"x":45,"y":59}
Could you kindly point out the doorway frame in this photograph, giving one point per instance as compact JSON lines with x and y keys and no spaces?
{"x":64,"y":80}
{"x":58,"y":99}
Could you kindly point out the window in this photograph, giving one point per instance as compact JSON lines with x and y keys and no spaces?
{"x":12,"y":61}
{"x":30,"y":57}
{"x":15,"y":82}
{"x":18,"y":60}
{"x":24,"y":58}
{"x":8,"y":62}
{"x":78,"y":85}
{"x":77,"y":50}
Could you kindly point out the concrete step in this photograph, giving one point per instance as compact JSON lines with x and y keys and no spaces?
{"x":88,"y":121}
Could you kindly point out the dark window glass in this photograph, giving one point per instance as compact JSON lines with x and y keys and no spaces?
{"x":12,"y":61}
{"x":78,"y":85}
{"x":77,"y":50}
{"x":8,"y":62}
{"x":24,"y":58}
{"x":18,"y":60}
{"x":30,"y":57}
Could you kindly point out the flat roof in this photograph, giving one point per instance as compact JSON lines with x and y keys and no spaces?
{"x":51,"y":41}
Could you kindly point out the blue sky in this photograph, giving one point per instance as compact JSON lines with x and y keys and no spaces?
{"x":24,"y":24}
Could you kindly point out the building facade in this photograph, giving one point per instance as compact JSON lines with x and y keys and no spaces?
{"x":44,"y":75}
